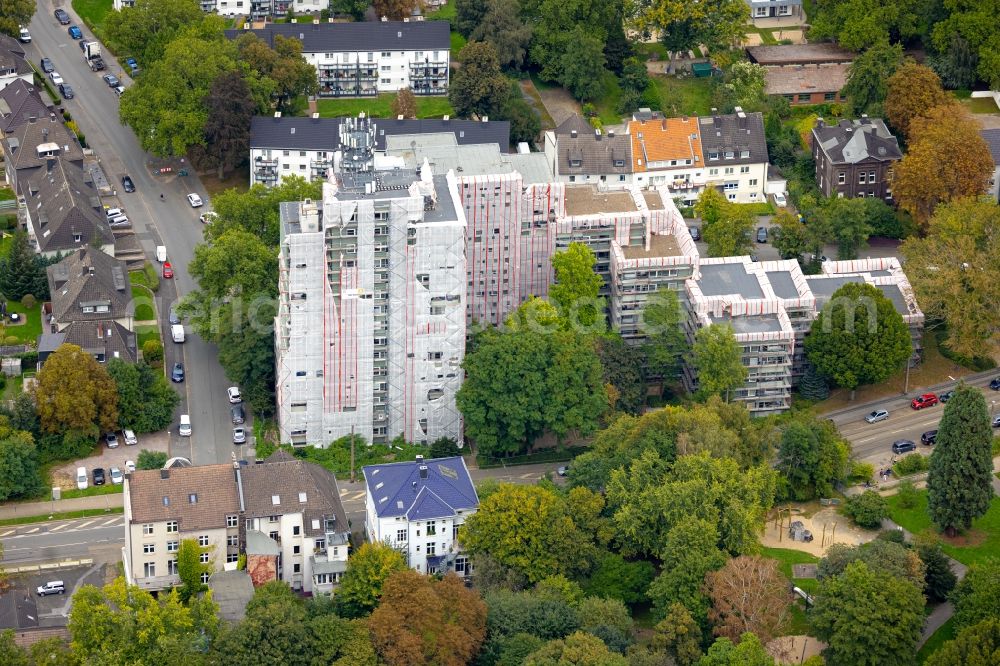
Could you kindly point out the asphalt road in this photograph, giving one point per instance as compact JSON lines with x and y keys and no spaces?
{"x":171,"y":222}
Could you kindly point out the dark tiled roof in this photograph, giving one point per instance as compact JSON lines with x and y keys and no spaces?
{"x":595,"y":153}
{"x":733,"y":133}
{"x":289,"y":481}
{"x":106,"y":338}
{"x":361,"y":36}
{"x":23,"y":154}
{"x":213,"y":486}
{"x":63,"y":205}
{"x":19,"y":102}
{"x":12,"y":56}
{"x":574,"y":123}
{"x":992,"y":139}
{"x":88,"y":277}
{"x":397,"y":489}
{"x":850,"y":142}
{"x":798,"y":54}
{"x":294,"y":133}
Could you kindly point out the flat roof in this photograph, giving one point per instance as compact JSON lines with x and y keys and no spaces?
{"x":586,"y":200}
{"x":798,"y":54}
{"x":724,"y":279}
{"x":893,"y":293}
{"x":823,"y":286}
{"x":795,"y":79}
{"x":751,"y":324}
{"x":653,"y":199}
{"x":782,"y":284}
{"x":660,"y":245}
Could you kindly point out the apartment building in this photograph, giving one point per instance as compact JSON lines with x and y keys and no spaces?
{"x":256,"y":10}
{"x":735,"y":151}
{"x":855,"y":158}
{"x":370,"y":332}
{"x":418,"y":508}
{"x":287,"y":145}
{"x":578,"y":153}
{"x":667,"y":151}
{"x":363,"y":59}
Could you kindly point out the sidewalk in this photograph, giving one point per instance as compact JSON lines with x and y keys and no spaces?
{"x":98,"y":502}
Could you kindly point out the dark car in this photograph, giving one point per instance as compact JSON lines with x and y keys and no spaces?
{"x":239,"y":416}
{"x":761,"y":234}
{"x":127,"y":183}
{"x":47,"y":65}
{"x":996,"y":421}
{"x":995,"y":384}
{"x":75,"y":32}
{"x":929,"y":438}
{"x":62,"y":16}
{"x":903,"y":446}
{"x":111,"y":80}
{"x":173,"y":317}
{"x":695,"y":233}
{"x":946,"y":396}
{"x":177,"y":374}
{"x":66,"y":90}
{"x":98,"y":476}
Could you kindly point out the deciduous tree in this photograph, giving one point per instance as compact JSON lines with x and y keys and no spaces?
{"x":74,"y":393}
{"x":976,"y":595}
{"x":546,"y":616}
{"x":744,"y":85}
{"x":404,"y":104}
{"x":583,"y":67}
{"x":881,"y":555}
{"x":959,"y":487}
{"x":678,"y":636}
{"x":367,"y":570}
{"x":616,"y":578}
{"x":577,"y":649}
{"x":20,"y":475}
{"x":501,"y":26}
{"x":868,"y":75}
{"x":912,"y":91}
{"x":577,"y":285}
{"x":811,"y":458}
{"x":150,"y":459}
{"x":730,"y":234}
{"x":478,"y":87}
{"x":788,"y":235}
{"x":868,"y":509}
{"x":858,"y":337}
{"x":145,"y":28}
{"x":14,"y":14}
{"x":394,"y":10}
{"x":977,"y":644}
{"x":420,"y":620}
{"x":662,"y":319}
{"x":227,"y":129}
{"x":623,"y":374}
{"x":975,"y":23}
{"x":353,"y":8}
{"x":525,"y":124}
{"x":468,"y":15}
{"x":686,"y":25}
{"x":748,"y":652}
{"x":857,"y":27}
{"x":717,"y":357}
{"x":145,"y":402}
{"x":922,"y":180}
{"x":848,"y":219}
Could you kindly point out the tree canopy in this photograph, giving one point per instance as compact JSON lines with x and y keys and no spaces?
{"x":868,"y":76}
{"x":748,"y":594}
{"x":718,"y":359}
{"x":478,"y":87}
{"x":913,"y":90}
{"x":368,"y":568}
{"x":685,"y":25}
{"x":576,"y":286}
{"x":74,"y":394}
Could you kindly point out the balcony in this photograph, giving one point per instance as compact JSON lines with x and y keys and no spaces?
{"x":265,"y":175}
{"x":337,"y":90}
{"x":157,"y":582}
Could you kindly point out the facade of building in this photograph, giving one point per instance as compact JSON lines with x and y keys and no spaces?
{"x":370,"y":332}
{"x":764,"y":9}
{"x":667,"y":151}
{"x":855,"y":158}
{"x":577,"y":153}
{"x":363,"y":59}
{"x":418,"y":508}
{"x":992,"y":139}
{"x":281,"y":146}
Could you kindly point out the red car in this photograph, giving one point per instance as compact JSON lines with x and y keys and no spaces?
{"x":168,"y":272}
{"x":925,"y":400}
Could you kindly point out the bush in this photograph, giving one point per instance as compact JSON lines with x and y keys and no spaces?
{"x":150,"y":459}
{"x":29,"y":361}
{"x":860,"y":472}
{"x":908,"y":494}
{"x":11,"y":340}
{"x":28,"y":301}
{"x":911,"y":464}
{"x":867,"y":509}
{"x":152,"y":352}
{"x":3,"y":382}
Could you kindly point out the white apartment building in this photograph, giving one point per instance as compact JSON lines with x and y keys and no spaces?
{"x":366,"y":58}
{"x":281,"y":146}
{"x":257,"y":10}
{"x":418,"y":508}
{"x":370,"y":332}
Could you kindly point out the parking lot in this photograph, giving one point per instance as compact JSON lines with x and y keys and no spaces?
{"x":65,"y":475}
{"x":22,"y":608}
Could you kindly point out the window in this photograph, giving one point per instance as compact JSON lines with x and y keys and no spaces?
{"x":172,"y":568}
{"x":431,"y":528}
{"x":203,"y":540}
{"x":172,"y":546}
{"x":296,"y":568}
{"x":232,"y":557}
{"x":730,"y":154}
{"x":841,"y":177}
{"x":193,"y":498}
{"x":231,"y":520}
{"x":296,"y":550}
{"x":804,"y":97}
{"x":203,"y":558}
{"x":729,"y":171}
{"x":861,"y":177}
{"x":744,"y":169}
{"x":171,"y":526}
{"x":829,"y":97}
{"x":713,"y":156}
{"x":149,"y":569}
{"x":233,"y":540}
{"x":148,"y":548}
{"x":460,"y":565}
{"x":713,"y":172}
{"x":753,"y":182}
{"x":744,"y":154}
{"x":431,"y":548}
{"x":400,"y":535}
{"x":204,"y":579}
{"x":147,"y":529}
{"x":871,"y":176}
{"x":296,"y":530}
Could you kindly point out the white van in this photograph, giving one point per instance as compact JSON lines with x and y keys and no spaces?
{"x":177,"y":332}
{"x":81,"y":478}
{"x":161,"y":253}
{"x":185,"y":430}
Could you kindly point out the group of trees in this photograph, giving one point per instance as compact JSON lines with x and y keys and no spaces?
{"x":22,"y":271}
{"x":726,"y":227}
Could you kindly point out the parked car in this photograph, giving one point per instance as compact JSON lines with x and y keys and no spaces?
{"x":47,"y":66}
{"x":925,"y":400}
{"x":563,"y":470}
{"x":116,"y":476}
{"x":946,"y":396}
{"x":129,"y":466}
{"x":877,"y":415}
{"x":111,"y":80}
{"x":208,"y":217}
{"x":130,"y":438}
{"x":127,"y":183}
{"x":168,"y":270}
{"x":996,"y":421}
{"x":695,"y":233}
{"x":57,"y":80}
{"x":239,"y":414}
{"x":98,"y":476}
{"x":75,"y":32}
{"x":239,"y":436}
{"x":51,"y":587}
{"x":234,"y":395}
{"x":66,"y":90}
{"x":177,"y":374}
{"x":173,"y":317}
{"x":995,"y":384}
{"x":779,"y":200}
{"x":62,"y":16}
{"x":761,"y":234}
{"x":112,"y":440}
{"x":132,"y":65}
{"x":903,"y":446}
{"x":23,"y":35}
{"x":929,"y":438}
{"x":194,"y":200}
{"x":119,"y":90}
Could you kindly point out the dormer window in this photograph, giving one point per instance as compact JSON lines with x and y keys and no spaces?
{"x":744,"y":154}
{"x":619,"y":163}
{"x":713,"y":156}
{"x":576,"y":163}
{"x":730,"y":155}
{"x":77,"y":238}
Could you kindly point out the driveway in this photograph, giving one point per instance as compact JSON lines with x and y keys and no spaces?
{"x":22,"y":608}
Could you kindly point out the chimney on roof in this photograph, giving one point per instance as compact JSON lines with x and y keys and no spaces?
{"x":414,"y":484}
{"x":717,"y":121}
{"x":52,"y":117}
{"x":423,"y":471}
{"x":164,"y":473}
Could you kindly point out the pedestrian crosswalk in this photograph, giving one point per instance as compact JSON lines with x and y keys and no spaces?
{"x":62,"y":526}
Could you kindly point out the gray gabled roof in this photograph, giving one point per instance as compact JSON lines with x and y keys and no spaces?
{"x":19,"y":102}
{"x":12,"y":56}
{"x":851,"y":142}
{"x":992,"y":139}
{"x":578,"y":143}
{"x":295,"y":133}
{"x":63,"y":206}
{"x":361,"y":36}
{"x":736,"y":133}
{"x":105,"y":338}
{"x":89,"y":277}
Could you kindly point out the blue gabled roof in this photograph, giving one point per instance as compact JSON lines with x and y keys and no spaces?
{"x":397,"y":489}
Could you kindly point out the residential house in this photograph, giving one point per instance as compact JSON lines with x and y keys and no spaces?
{"x":19,"y":103}
{"x":91,"y":307}
{"x":13,"y":64}
{"x":286,"y":145}
{"x":804,"y":73}
{"x":775,"y":9}
{"x":668,"y":151}
{"x":578,"y":153}
{"x":735,"y":154}
{"x":855,"y":158}
{"x":418,"y":507}
{"x":992,"y":138}
{"x":362,"y":59}
{"x":257,"y":10}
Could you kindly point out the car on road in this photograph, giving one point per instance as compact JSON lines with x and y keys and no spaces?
{"x":130,"y":438}
{"x":119,"y":90}
{"x":23,"y":35}
{"x":127,"y":183}
{"x":695,"y":233}
{"x":234,"y":395}
{"x":62,"y":16}
{"x":239,"y":414}
{"x":903,"y":446}
{"x":995,"y":384}
{"x":877,"y":415}
{"x":925,"y":400}
{"x":112,"y":440}
{"x":116,"y":476}
{"x":779,"y":200}
{"x":51,"y":587}
{"x":168,"y":270}
{"x":98,"y":476}
{"x":208,"y":217}
{"x":47,"y":65}
{"x":129,"y":466}
{"x":177,"y":374}
{"x":194,"y":200}
{"x":761,"y":234}
{"x":946,"y":396}
{"x":239,"y":436}
{"x":75,"y":32}
{"x":111,"y":80}
{"x":929,"y":438}
{"x":185,"y":428}
{"x":66,"y":90}
{"x":996,"y":421}
{"x":57,"y":80}
{"x":173,"y":317}
{"x":563,"y":470}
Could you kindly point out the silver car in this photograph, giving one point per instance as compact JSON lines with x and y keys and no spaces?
{"x":239,"y":436}
{"x":877,"y":415}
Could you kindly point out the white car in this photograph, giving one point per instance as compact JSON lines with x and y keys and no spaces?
{"x":116,"y":476}
{"x":234,"y":395}
{"x":208,"y":217}
{"x":130,"y":438}
{"x":194,"y":200}
{"x":57,"y":80}
{"x":877,"y":415}
{"x":129,"y":466}
{"x":779,"y":200}
{"x":239,"y":436}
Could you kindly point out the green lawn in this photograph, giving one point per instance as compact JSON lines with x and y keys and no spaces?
{"x":798,"y":622}
{"x":5,"y":242}
{"x":985,"y":531}
{"x":143,"y":303}
{"x":945,"y":632}
{"x":447,"y":13}
{"x":93,"y":12}
{"x":92,"y":490}
{"x":766,"y":36}
{"x":147,"y":277}
{"x":689,"y":96}
{"x":607,"y":105}
{"x":381,"y":107}
{"x":980,"y":105}
{"x":6,"y":193}
{"x":31,"y":329}
{"x":144,"y":333}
